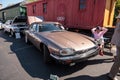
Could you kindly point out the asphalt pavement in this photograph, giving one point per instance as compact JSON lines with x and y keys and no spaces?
{"x":20,"y":61}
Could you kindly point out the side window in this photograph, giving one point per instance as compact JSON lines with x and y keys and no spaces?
{"x":40,"y":27}
{"x":82,"y":4}
{"x":8,"y":22}
{"x":34,"y":9}
{"x":33,"y":27}
{"x":37,"y":27}
{"x":44,"y":7}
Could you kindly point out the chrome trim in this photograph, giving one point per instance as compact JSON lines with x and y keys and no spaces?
{"x":77,"y":56}
{"x":86,"y":50}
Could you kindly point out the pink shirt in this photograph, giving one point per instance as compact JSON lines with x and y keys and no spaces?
{"x":99,"y":35}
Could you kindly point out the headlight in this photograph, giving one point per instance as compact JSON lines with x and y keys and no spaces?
{"x":67,"y":51}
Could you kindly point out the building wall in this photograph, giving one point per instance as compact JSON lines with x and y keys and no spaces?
{"x":10,"y":13}
{"x":68,"y":13}
{"x":109,"y":13}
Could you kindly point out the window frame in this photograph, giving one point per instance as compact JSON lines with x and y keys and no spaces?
{"x":82,"y":4}
{"x":34,"y":8}
{"x":44,"y":7}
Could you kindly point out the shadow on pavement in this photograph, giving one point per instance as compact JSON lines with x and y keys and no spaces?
{"x":86,"y":77}
{"x":32,"y":62}
{"x":108,"y":53}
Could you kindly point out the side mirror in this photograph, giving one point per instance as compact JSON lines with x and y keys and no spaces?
{"x":62,"y":27}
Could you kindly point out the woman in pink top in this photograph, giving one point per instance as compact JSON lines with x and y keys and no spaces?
{"x":98,"y":33}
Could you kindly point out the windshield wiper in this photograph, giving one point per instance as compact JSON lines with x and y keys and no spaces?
{"x":57,"y":30}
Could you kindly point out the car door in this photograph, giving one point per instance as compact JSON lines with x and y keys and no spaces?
{"x":37,"y":37}
{"x":33,"y":35}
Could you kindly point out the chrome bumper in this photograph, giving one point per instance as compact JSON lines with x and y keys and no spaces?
{"x":85,"y":55}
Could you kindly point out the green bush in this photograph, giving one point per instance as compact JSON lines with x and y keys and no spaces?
{"x":117,"y":9}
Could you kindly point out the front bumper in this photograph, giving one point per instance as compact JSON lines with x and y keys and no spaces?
{"x":77,"y":57}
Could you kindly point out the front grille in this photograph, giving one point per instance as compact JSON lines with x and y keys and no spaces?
{"x":86,"y":50}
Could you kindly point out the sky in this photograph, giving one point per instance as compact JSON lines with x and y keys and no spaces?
{"x":8,"y":2}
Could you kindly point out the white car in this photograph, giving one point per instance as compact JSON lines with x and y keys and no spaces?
{"x":18,"y":24}
{"x":0,"y":25}
{"x":7,"y":25}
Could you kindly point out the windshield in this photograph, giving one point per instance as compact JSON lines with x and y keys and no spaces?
{"x":20,"y":19}
{"x":8,"y":22}
{"x":50,"y":27}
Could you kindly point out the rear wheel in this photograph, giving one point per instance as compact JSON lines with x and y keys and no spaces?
{"x":47,"y":58}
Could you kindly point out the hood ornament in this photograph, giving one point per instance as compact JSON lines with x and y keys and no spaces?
{"x":83,"y":43}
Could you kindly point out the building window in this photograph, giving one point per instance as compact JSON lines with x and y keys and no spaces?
{"x":3,"y":15}
{"x":82,"y":5}
{"x":44,"y":7}
{"x":34,"y":9}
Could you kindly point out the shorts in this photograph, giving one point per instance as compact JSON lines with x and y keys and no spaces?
{"x":99,"y":42}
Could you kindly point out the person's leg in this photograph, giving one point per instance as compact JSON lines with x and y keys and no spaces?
{"x":101,"y":50}
{"x":115,"y":68}
{"x":113,"y":51}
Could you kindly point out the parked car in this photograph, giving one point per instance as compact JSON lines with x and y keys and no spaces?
{"x":18,"y":24}
{"x":6,"y":25}
{"x":56,"y":43}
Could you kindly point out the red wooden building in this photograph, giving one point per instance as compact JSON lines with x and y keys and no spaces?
{"x":81,"y":14}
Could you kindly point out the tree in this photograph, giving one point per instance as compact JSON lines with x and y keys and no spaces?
{"x":117,"y":11}
{"x":117,"y":7}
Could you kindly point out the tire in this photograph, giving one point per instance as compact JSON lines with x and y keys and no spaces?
{"x":46,"y":53}
{"x":26,"y":39}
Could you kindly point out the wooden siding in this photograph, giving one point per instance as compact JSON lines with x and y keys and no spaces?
{"x":10,"y":13}
{"x":68,"y":13}
{"x":109,"y":13}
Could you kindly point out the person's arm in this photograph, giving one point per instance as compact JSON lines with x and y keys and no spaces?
{"x":104,"y":30}
{"x":93,"y":30}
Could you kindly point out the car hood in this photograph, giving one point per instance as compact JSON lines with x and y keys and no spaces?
{"x":66,"y":39}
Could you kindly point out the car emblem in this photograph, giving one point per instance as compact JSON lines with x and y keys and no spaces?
{"x":83,"y":43}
